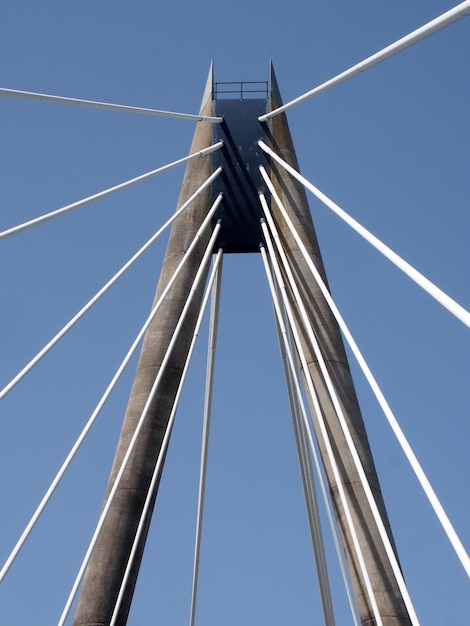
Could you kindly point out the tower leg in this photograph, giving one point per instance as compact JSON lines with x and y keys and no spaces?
{"x":108,"y":562}
{"x":292,"y":194}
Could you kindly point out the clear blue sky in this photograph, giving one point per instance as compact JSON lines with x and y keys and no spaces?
{"x":392,"y":146}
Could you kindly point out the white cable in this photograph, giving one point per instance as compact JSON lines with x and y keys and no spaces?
{"x":77,"y":444}
{"x":100,"y":293}
{"x":166,"y":438}
{"x":102,"y":194}
{"x":213,"y":325}
{"x":308,"y":484}
{"x":21,"y":541}
{"x":43,"y":97}
{"x":306,"y":472}
{"x":350,"y":442}
{"x":140,"y":422}
{"x":455,"y":14}
{"x":393,"y":422}
{"x":303,"y":425}
{"x":446,"y":301}
{"x":326,"y":500}
{"x":313,"y":395}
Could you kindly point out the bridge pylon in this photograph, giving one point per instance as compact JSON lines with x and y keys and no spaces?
{"x":240,"y":213}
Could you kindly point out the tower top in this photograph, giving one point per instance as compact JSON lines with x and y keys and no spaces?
{"x":240,"y":104}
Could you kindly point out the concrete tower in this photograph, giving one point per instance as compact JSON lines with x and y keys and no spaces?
{"x":240,"y":214}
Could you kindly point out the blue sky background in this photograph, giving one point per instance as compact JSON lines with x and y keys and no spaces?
{"x":391,"y":146}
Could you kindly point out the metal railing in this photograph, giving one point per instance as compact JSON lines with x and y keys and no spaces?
{"x":242,"y":89}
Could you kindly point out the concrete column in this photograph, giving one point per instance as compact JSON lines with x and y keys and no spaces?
{"x":293,"y":196}
{"x":108,"y":562}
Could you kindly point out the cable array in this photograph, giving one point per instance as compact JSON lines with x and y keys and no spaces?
{"x":292,"y":323}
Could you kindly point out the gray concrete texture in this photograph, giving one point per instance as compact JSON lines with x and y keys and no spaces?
{"x":293,"y":197}
{"x":108,"y":562}
{"x":107,"y":565}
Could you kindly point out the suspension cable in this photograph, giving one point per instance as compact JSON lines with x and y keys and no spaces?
{"x":77,"y":444}
{"x":390,"y":416}
{"x":106,"y":192}
{"x":21,"y":541}
{"x":447,"y":18}
{"x":213,"y":325}
{"x":166,"y":438}
{"x":348,"y":437}
{"x":305,"y":431}
{"x":44,"y":97}
{"x":142,"y":417}
{"x":446,"y":301}
{"x":302,"y":425}
{"x":347,"y":512}
{"x":308,"y":482}
{"x":100,"y":293}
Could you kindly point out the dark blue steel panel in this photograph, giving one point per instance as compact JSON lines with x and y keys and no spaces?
{"x":240,"y":157}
